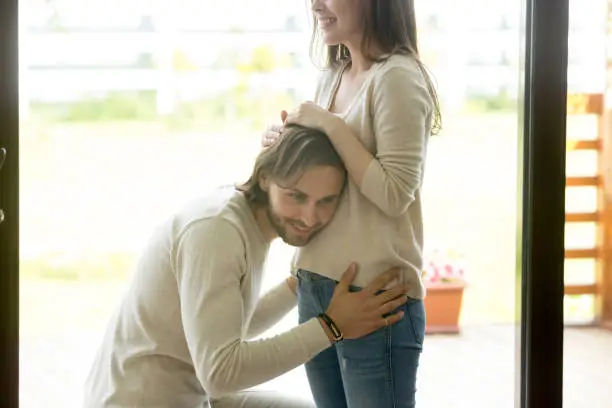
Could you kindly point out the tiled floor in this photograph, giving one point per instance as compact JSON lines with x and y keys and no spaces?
{"x":473,"y":369}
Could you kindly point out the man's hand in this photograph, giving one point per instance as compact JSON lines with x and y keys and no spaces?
{"x":360,"y":313}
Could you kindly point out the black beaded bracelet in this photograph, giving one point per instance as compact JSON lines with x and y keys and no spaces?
{"x":336,"y":333}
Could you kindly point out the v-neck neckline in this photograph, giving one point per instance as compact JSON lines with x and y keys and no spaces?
{"x":336,"y":86}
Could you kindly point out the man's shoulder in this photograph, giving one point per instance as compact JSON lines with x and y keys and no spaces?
{"x":209,"y":232}
{"x":217,"y":212}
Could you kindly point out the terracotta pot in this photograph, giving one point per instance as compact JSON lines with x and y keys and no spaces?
{"x":443,"y":307}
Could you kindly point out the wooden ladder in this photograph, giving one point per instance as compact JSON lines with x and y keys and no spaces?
{"x":601,"y":288}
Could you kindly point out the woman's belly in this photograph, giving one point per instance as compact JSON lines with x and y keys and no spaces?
{"x":362,"y":234}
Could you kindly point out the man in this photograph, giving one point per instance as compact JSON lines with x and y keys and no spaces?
{"x":181,"y":335}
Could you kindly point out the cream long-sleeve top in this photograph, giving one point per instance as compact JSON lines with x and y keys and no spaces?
{"x":182,"y":333}
{"x":379,"y":224}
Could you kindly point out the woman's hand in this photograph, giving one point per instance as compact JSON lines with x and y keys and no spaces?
{"x":292,"y":282}
{"x":311,"y":115}
{"x":270,"y":135}
{"x":273,"y":132}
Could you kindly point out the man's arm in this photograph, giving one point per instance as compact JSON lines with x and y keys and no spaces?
{"x":271,"y":308}
{"x":210,"y":264}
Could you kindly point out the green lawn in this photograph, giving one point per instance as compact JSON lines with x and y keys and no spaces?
{"x":51,"y":308}
{"x":91,"y":194}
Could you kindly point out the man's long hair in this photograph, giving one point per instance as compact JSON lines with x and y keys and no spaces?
{"x":298,"y":149}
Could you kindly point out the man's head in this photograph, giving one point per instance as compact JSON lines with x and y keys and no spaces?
{"x":298,"y":180}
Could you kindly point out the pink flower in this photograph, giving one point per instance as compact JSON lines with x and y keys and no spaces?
{"x":443,"y":267}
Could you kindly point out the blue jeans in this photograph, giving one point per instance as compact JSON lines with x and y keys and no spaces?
{"x":375,"y":371}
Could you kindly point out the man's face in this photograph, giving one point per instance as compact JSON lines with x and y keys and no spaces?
{"x":298,"y":212}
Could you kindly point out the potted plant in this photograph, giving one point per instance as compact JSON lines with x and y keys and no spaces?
{"x":444,"y":279}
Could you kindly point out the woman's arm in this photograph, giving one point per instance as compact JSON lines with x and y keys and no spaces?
{"x":401,"y":110}
{"x":272,"y":307}
{"x":356,"y":158}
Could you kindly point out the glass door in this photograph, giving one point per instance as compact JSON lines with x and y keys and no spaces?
{"x":9,"y":206}
{"x":542,"y":195}
{"x":124,"y":95}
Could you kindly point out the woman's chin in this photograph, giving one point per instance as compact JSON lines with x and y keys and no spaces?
{"x":330,"y":40}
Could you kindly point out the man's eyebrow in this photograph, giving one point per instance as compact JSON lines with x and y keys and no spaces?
{"x":329,"y":197}
{"x":298,"y":191}
{"x":294,"y":190}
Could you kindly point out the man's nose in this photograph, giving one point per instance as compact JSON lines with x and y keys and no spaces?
{"x":310,"y":217}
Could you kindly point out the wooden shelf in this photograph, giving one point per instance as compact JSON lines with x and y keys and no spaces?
{"x":593,"y":181}
{"x":573,"y":145}
{"x":590,"y":253}
{"x":582,"y":217}
{"x":575,"y":290}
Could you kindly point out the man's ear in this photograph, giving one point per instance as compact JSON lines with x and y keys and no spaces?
{"x":264,"y":182}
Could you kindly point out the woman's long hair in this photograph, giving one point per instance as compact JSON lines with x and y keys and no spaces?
{"x":391,"y":25}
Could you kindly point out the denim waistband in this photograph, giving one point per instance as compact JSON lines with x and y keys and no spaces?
{"x":308,"y":276}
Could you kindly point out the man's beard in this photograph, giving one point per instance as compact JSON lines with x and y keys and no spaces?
{"x":289,"y":238}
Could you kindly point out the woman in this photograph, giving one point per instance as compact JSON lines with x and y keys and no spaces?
{"x":378,"y":107}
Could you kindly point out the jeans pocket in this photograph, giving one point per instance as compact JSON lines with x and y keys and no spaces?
{"x":415,"y":313}
{"x":369,"y":353}
{"x":307,"y":304}
{"x":313,"y":296}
